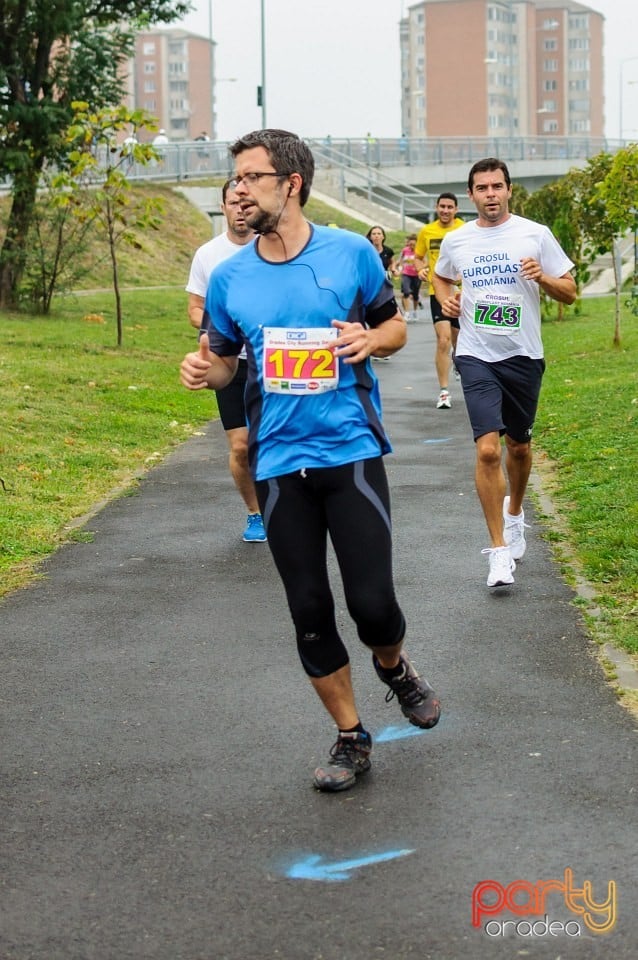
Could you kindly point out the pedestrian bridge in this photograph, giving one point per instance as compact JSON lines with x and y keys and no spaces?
{"x":402,"y":175}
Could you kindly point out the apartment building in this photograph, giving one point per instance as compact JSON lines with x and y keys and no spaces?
{"x":173,"y":78}
{"x":501,"y":68}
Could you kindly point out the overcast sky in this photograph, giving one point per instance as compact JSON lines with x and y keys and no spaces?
{"x":332,"y":66}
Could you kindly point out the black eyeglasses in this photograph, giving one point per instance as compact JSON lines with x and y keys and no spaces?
{"x":252,"y":178}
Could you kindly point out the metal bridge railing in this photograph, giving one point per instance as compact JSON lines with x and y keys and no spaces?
{"x":191,"y":159}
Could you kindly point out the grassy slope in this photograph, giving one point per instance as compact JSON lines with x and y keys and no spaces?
{"x":164,"y":255}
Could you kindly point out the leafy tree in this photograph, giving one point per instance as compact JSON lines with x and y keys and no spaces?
{"x":619,"y":192}
{"x":95,"y":187}
{"x":58,"y":235}
{"x":518,"y":199}
{"x":52,"y":53}
{"x":602,"y":227}
{"x":590,"y":210}
{"x":554,"y":205}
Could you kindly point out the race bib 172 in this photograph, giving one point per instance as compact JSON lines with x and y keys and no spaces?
{"x":300,"y":361}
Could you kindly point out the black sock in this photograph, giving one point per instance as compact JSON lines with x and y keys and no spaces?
{"x":392,"y":672}
{"x":358,"y":729}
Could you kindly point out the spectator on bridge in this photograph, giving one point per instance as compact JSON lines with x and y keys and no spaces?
{"x":127,"y":152}
{"x":327,"y":144}
{"x":160,"y":141}
{"x":202,"y":152}
{"x":370,"y":149}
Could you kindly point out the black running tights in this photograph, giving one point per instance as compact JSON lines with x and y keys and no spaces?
{"x":351,"y":504}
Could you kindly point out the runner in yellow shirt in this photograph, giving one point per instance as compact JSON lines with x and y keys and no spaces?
{"x":427,"y":249}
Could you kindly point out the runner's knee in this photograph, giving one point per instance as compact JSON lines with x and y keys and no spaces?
{"x":488,"y":450}
{"x":379,"y":624}
{"x":321,"y":652}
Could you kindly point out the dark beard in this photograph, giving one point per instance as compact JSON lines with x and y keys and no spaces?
{"x":263,"y":222}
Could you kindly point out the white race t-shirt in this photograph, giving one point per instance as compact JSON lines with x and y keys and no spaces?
{"x":500,"y":310}
{"x":206,"y":258}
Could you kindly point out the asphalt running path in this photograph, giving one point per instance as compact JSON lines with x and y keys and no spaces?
{"x":159,"y":739}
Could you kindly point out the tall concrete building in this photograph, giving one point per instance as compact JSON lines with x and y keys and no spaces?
{"x":173,"y":78}
{"x":501,"y":68}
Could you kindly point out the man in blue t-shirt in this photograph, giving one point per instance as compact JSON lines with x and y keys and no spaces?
{"x":312,"y":306}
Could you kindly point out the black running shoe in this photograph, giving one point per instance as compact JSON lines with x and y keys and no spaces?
{"x":349,"y":757}
{"x":418,"y":701}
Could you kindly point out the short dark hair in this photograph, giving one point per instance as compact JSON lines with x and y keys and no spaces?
{"x":486,"y":166}
{"x":287,"y":152}
{"x":227,"y":186}
{"x":446,"y":195}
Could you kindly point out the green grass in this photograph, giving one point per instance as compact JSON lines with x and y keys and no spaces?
{"x":588,"y":428}
{"x":322,"y":213}
{"x":82,"y":418}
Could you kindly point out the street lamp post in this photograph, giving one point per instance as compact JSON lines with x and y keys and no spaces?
{"x":634,"y":288}
{"x":263,"y":65}
{"x":620,"y":93}
{"x":213,"y":132}
{"x":513,"y":62}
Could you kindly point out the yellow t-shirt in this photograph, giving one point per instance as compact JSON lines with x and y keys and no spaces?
{"x":428,"y":243}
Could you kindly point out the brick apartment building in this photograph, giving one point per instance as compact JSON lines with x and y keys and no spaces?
{"x":501,"y":68}
{"x":172,"y":77}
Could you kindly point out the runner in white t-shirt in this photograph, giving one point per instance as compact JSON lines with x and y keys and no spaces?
{"x":503,"y":261}
{"x":230,"y":400}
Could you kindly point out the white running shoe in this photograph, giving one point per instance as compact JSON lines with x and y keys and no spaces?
{"x":445,"y":401}
{"x":514,"y":531}
{"x":502,"y":566}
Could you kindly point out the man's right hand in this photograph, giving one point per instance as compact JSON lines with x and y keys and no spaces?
{"x":451,"y":307}
{"x":195,"y":366}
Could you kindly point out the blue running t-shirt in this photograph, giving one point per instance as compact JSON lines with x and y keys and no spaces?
{"x":305,"y":408}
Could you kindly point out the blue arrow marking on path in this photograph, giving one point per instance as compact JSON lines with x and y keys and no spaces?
{"x":397,"y":733}
{"x":438,"y":440}
{"x":315,"y":867}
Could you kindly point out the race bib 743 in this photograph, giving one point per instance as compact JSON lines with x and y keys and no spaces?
{"x":502,"y":315}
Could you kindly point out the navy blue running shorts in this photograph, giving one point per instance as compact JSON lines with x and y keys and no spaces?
{"x":230,"y":399}
{"x":501,"y":397}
